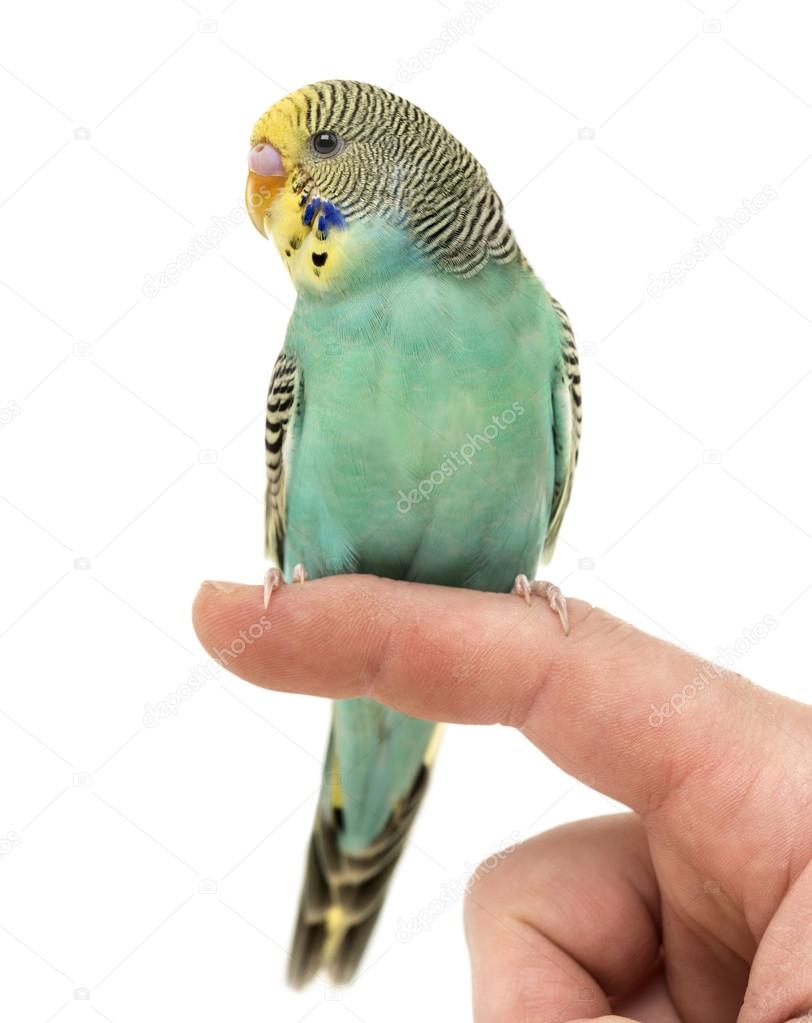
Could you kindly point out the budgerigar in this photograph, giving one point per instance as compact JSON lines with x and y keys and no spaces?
{"x":423,"y":423}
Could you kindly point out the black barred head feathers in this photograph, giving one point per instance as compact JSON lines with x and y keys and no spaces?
{"x":351,"y":150}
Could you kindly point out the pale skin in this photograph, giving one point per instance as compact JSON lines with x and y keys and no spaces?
{"x":696,"y":906}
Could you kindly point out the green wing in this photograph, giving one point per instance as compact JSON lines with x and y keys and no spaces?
{"x":566,"y":427}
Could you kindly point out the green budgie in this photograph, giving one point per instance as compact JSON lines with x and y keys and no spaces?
{"x":423,"y":423}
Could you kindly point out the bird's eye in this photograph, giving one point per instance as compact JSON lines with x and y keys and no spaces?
{"x":325,"y":143}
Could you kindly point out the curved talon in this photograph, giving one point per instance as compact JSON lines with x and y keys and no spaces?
{"x":556,"y":600}
{"x":271,"y":583}
{"x":551,"y":593}
{"x":522,"y":588}
{"x":299,"y":574}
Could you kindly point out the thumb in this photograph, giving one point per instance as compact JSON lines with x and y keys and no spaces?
{"x":628,"y":714}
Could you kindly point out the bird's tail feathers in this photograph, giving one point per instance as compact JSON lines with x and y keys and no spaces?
{"x":343,"y":894}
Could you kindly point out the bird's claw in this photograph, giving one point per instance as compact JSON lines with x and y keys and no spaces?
{"x":271,"y":583}
{"x":274,"y":579}
{"x":522,"y":588}
{"x":551,"y":593}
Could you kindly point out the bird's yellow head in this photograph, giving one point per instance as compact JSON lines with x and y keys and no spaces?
{"x":336,"y":154}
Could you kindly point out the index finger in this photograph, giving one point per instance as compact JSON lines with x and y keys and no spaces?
{"x":599,"y":702}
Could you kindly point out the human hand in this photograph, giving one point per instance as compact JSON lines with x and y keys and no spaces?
{"x":694,"y":907}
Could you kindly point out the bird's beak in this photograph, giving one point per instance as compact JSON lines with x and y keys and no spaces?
{"x":266,"y":176}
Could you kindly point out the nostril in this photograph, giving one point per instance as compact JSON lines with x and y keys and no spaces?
{"x":264,"y":160}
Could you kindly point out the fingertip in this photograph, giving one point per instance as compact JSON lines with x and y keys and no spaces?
{"x":217,"y":603}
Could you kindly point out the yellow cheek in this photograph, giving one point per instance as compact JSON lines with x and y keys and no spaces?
{"x":287,"y":229}
{"x":313,"y":263}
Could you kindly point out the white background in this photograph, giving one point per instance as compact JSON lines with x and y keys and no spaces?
{"x":152,"y":873}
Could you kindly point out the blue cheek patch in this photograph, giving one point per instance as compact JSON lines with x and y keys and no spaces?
{"x":329,"y":216}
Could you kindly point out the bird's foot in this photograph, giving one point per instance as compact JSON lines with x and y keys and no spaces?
{"x":274,"y":579}
{"x":551,"y":593}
